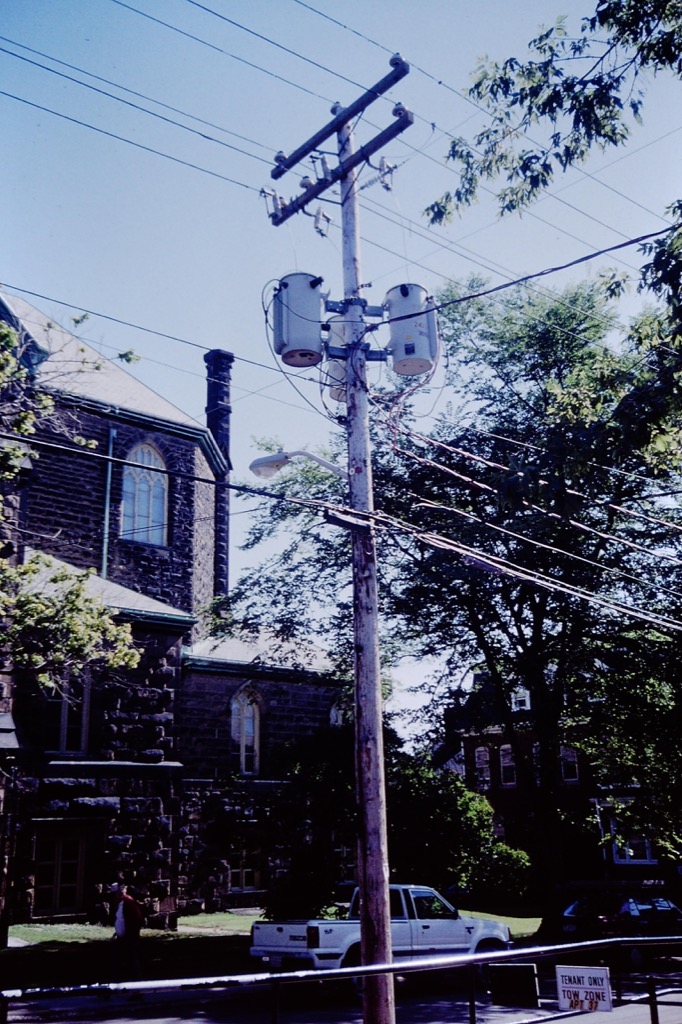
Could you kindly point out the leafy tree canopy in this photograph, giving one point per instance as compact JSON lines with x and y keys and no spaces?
{"x":546,"y":113}
{"x":533,"y":532}
{"x":586,"y":91}
{"x":439,"y":833}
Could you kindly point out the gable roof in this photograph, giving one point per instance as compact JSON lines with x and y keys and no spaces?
{"x":66,"y":364}
{"x":264,"y":650}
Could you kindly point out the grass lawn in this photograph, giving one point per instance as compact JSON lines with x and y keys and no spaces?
{"x":520,"y":927}
{"x":199,"y":924}
{"x":204,"y":945}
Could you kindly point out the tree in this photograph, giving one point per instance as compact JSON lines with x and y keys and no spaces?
{"x":439,"y":833}
{"x":585,"y":91}
{"x":546,"y":113}
{"x":536,"y":543}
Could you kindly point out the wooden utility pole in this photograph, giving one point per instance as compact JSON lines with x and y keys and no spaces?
{"x":375,"y":917}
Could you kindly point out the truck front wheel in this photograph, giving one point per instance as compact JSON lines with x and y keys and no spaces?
{"x":490,"y":946}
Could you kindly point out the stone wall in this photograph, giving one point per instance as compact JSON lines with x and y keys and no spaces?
{"x":107,"y":812}
{"x":222,"y":837}
{"x":65,"y":507}
{"x":291,"y":706}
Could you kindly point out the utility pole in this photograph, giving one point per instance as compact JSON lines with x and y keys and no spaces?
{"x":375,"y":914}
{"x":375,"y":918}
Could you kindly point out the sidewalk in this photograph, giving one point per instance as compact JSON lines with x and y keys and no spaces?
{"x":668,"y":1009}
{"x":254,"y":1008}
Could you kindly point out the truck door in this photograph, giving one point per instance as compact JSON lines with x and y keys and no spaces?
{"x":437,"y":929}
{"x":401,"y":932}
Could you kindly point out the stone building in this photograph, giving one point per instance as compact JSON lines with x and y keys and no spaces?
{"x":117,"y":776}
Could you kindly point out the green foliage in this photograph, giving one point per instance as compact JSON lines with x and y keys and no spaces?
{"x":51,"y":627}
{"x":558,"y":460}
{"x":636,"y":704}
{"x":310,"y":559}
{"x":584,"y":91}
{"x":54,"y":628}
{"x":438,"y":832}
{"x":443,"y":834}
{"x":20,"y":402}
{"x":129,"y":356}
{"x":500,"y":876}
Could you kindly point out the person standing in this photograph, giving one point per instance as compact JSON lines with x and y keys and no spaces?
{"x":128,"y":921}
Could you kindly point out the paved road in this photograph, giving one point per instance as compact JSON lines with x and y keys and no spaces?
{"x":313,"y":1005}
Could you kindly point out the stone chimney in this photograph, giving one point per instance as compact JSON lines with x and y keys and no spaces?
{"x":218,"y":410}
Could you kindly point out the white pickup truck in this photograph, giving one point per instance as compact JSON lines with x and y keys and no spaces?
{"x":422,"y":924}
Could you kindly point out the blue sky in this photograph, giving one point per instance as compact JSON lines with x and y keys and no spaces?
{"x":167,"y":230}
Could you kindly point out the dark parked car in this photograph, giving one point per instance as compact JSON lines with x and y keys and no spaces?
{"x":612,"y":915}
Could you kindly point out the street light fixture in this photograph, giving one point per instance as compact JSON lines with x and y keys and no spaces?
{"x":268,"y":465}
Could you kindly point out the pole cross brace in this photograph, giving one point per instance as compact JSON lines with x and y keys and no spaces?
{"x":287,"y":210}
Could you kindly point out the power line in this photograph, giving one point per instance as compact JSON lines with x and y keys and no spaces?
{"x":135,"y":106}
{"x":496,"y":565}
{"x":88,"y":453}
{"x":486,"y":488}
{"x":326,"y":69}
{"x":133,"y":92}
{"x":596,"y":465}
{"x":492,"y":562}
{"x":479,"y":107}
{"x":546,"y":272}
{"x":130,"y":142}
{"x":257,"y":67}
{"x":272,"y":42}
{"x":543,"y":546}
{"x":205,"y":348}
{"x":459,"y":250}
{"x":440,"y":306}
{"x":219,"y":49}
{"x":464,"y":298}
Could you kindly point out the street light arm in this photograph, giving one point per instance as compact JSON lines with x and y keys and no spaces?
{"x":269,"y":465}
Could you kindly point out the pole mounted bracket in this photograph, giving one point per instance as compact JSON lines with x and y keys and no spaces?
{"x":293,"y":206}
{"x":347,"y":522}
{"x":371,"y":355}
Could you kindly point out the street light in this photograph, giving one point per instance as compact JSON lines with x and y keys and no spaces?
{"x":268,"y":465}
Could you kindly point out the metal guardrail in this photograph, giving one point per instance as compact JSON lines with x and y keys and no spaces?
{"x":470,"y":963}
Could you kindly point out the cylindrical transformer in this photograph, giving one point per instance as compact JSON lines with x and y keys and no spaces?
{"x":413,"y":329}
{"x":298,"y":307}
{"x":335,"y":369}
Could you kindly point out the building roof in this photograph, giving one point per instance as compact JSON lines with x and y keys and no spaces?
{"x":66,"y":364}
{"x":114,"y":596}
{"x":263,"y":650}
{"x":212,"y":652}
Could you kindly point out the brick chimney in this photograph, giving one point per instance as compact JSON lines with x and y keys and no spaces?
{"x":218,"y":410}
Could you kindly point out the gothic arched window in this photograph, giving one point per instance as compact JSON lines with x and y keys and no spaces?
{"x":144,"y":509}
{"x":245,"y":733}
